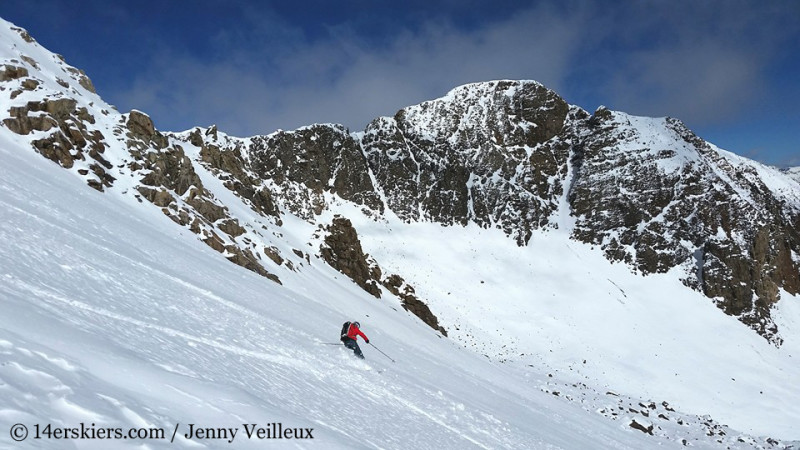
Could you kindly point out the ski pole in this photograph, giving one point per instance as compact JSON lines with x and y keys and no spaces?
{"x":329,"y":343}
{"x":384,"y":354}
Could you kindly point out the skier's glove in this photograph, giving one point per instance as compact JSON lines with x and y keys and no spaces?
{"x":367,"y":340}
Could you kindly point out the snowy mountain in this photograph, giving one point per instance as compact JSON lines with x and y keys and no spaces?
{"x":579,"y":280}
{"x":514,"y":156}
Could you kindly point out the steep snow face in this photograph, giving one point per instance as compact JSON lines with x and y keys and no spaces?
{"x":792,"y":172}
{"x":558,"y":306}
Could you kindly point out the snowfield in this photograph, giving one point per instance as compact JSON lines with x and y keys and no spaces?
{"x":112,"y":317}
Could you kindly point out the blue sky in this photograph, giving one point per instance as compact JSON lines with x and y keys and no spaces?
{"x":729,"y":69}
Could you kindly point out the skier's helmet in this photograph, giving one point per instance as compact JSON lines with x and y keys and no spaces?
{"x":358,"y":325}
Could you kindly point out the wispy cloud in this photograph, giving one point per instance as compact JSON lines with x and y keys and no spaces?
{"x":288,"y":80}
{"x":703,"y":62}
{"x":701,"y":84}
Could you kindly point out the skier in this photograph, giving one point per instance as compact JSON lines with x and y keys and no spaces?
{"x":350,"y":333}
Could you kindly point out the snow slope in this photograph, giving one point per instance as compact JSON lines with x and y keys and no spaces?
{"x":559,"y":306}
{"x":794,"y":172}
{"x":112,"y":315}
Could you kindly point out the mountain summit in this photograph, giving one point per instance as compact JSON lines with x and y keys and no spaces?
{"x":610,"y":248}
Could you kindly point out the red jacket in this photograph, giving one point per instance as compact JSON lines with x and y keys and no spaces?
{"x":353,"y":332}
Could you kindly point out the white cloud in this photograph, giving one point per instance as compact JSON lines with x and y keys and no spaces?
{"x":345,"y":79}
{"x":699,"y":84}
{"x":702,"y":63}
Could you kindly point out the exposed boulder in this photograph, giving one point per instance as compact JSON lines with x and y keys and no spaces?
{"x":342,"y":251}
{"x":398,"y":286}
{"x":24,"y":34}
{"x":11,"y":72}
{"x":274,"y":255}
{"x":83,"y":80}
{"x":246,"y":259}
{"x":141,"y":127}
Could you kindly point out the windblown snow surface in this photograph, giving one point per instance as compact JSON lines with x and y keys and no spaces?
{"x":111,"y":316}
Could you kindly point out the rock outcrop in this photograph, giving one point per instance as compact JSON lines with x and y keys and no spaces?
{"x":69,"y":136}
{"x":411,"y":303}
{"x":342,"y":250}
{"x":306,"y":163}
{"x":486,"y":153}
{"x":228,"y":164}
{"x":169,"y":180}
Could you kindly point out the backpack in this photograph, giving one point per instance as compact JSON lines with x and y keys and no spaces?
{"x":345,"y":329}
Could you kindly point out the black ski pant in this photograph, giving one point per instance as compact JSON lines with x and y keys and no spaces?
{"x":353,"y":345}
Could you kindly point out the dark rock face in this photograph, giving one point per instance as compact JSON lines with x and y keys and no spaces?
{"x":310,"y":161}
{"x":487,"y":153}
{"x":343,"y":252}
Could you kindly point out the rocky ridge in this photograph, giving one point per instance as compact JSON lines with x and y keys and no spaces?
{"x":55,"y":108}
{"x":504,"y":154}
{"x":515,"y":156}
{"x":668,"y":199}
